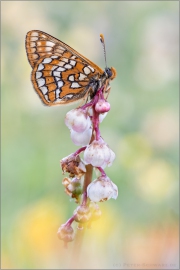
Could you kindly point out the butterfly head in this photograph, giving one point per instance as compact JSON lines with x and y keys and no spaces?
{"x":110,"y":73}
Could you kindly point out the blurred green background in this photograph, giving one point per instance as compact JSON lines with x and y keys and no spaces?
{"x":140,"y":229}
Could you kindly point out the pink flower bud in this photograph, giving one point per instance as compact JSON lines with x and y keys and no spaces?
{"x":78,"y":120}
{"x":81,"y":138}
{"x":102,"y":106}
{"x":102,"y":189}
{"x":101,"y":115}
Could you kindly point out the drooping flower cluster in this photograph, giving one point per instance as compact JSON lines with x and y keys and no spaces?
{"x":83,"y":123}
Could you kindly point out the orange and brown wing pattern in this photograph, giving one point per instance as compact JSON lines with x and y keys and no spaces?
{"x":39,"y":44}
{"x":60,"y":74}
{"x":61,"y":80}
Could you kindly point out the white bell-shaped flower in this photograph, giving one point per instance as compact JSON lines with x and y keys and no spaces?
{"x":98,"y":154}
{"x":78,"y":120}
{"x":102,"y":189}
{"x":82,"y":138}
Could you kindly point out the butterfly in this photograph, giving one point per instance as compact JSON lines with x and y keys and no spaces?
{"x":61,"y":75}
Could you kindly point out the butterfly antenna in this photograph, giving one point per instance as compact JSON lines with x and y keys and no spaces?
{"x":103,"y":43}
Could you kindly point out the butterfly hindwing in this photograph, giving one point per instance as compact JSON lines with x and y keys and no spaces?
{"x":60,"y":80}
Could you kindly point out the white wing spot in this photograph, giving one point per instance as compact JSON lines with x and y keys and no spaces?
{"x":58,"y":100}
{"x":38,"y":74}
{"x":82,"y":76}
{"x":44,"y":89}
{"x":34,"y":38}
{"x":32,"y":44}
{"x":92,"y":69}
{"x":49,"y":43}
{"x":60,"y":48}
{"x":34,"y":34}
{"x":41,"y":82}
{"x":65,"y":60}
{"x":44,"y":49}
{"x":72,"y":62}
{"x":59,"y":51}
{"x":70,"y":95}
{"x":46,"y":97}
{"x":40,"y":67}
{"x":57,"y":79}
{"x":73,"y":57}
{"x":54,"y":56}
{"x":61,"y":64}
{"x":71,"y":78}
{"x":57,"y":93}
{"x":34,"y":56}
{"x":60,"y":84}
{"x":47,"y":60}
{"x":57,"y":73}
{"x":60,"y":69}
{"x":86,"y":70}
{"x":75,"y":85}
{"x":68,"y":66}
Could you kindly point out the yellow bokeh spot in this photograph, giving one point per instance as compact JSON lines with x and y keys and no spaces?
{"x":135,"y":151}
{"x":156,"y":181}
{"x":36,"y":228}
{"x":106,"y":225}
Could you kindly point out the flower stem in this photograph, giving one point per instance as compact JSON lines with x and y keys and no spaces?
{"x":79,"y":151}
{"x":101,"y":171}
{"x":70,"y":221}
{"x":87,"y":181}
{"x":80,"y":232}
{"x":95,"y":121}
{"x":87,"y":177}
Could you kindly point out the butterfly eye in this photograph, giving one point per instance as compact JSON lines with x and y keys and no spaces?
{"x":108,"y":72}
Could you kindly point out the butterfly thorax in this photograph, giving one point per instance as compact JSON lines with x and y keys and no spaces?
{"x":100,"y":80}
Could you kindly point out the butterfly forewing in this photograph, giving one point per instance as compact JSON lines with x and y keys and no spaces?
{"x":60,"y":74}
{"x":39,"y":44}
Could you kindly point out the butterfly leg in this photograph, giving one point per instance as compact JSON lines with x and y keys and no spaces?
{"x":106,"y":90}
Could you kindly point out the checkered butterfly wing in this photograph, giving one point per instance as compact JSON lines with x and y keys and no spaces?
{"x":60,"y":74}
